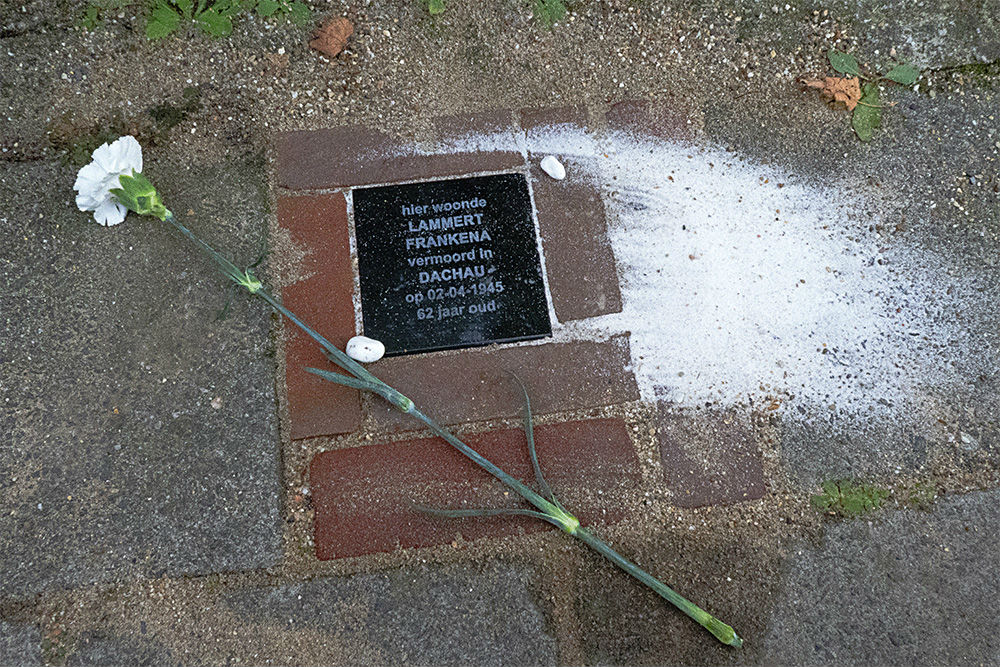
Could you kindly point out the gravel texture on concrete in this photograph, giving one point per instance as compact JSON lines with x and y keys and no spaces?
{"x":140,"y":433}
{"x":19,"y":644}
{"x":906,"y":587}
{"x":419,"y":616}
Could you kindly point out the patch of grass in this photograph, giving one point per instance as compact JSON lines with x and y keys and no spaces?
{"x":848,"y":499}
{"x":550,"y":12}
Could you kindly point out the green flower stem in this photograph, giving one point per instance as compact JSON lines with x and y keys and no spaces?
{"x":241,"y":278}
{"x":551,"y":511}
{"x":557,"y":516}
{"x":724,"y":633}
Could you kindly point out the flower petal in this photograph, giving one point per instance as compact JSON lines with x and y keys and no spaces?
{"x":130,"y":154}
{"x":85,"y":202}
{"x":104,"y":157}
{"x":110,"y":213}
{"x":89,"y":177}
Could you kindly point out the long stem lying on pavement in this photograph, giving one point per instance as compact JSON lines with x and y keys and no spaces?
{"x":551,"y":509}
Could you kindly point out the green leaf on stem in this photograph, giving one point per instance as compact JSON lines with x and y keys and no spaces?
{"x":267,"y":7}
{"x":529,"y":434}
{"x":186,"y":7}
{"x":844,"y":63}
{"x":162,"y":21}
{"x":550,"y":12}
{"x":903,"y":74}
{"x":346,"y":380}
{"x":489,"y":511}
{"x":868,"y":114}
{"x":214,"y":23}
{"x":299,"y":13}
{"x":89,"y":20}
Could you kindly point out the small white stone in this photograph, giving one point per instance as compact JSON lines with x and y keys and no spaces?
{"x":553,"y":167}
{"x":365,"y":349}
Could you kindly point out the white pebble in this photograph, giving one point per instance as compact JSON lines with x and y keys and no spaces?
{"x":365,"y":349}
{"x":553,"y":167}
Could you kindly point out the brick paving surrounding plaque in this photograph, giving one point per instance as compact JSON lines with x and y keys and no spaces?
{"x":355,"y":155}
{"x":322,"y":299}
{"x":580,"y":267}
{"x":709,"y":458}
{"x":578,"y":257}
{"x":362,"y":495}
{"x":473,"y":384}
{"x":462,"y":136}
{"x":534,"y":119}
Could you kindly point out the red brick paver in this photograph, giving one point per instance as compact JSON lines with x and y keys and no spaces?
{"x":532,"y":119}
{"x":323,"y":300}
{"x":473,"y":384}
{"x":709,"y":458}
{"x":363,"y":495}
{"x":579,"y":262}
{"x":460,"y":134}
{"x":658,"y":120}
{"x":355,"y":155}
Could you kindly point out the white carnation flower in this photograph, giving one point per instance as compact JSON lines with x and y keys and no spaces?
{"x":95,"y":181}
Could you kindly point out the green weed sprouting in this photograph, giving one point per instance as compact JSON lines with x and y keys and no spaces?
{"x":863,"y":99}
{"x":848,"y":499}
{"x":213,"y":18}
{"x":216,"y":18}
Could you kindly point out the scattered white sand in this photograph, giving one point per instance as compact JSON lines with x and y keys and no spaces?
{"x":743,"y":284}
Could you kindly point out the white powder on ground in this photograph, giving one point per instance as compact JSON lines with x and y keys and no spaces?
{"x":741,"y":284}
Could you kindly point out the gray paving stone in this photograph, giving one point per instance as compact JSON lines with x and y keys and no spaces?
{"x":927,"y":155}
{"x":929,"y":34}
{"x":138,"y":433}
{"x":19,"y":644}
{"x":461,"y":615}
{"x":99,"y":649}
{"x":906,"y":587}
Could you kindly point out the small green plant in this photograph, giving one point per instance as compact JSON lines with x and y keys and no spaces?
{"x":550,"y":12}
{"x":89,"y":21}
{"x":435,"y":7}
{"x":846,"y":498}
{"x":863,"y":100}
{"x":95,"y":11}
{"x":216,"y":19}
{"x":296,"y":12}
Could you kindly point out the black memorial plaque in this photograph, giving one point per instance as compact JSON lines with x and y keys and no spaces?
{"x":448,"y":264}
